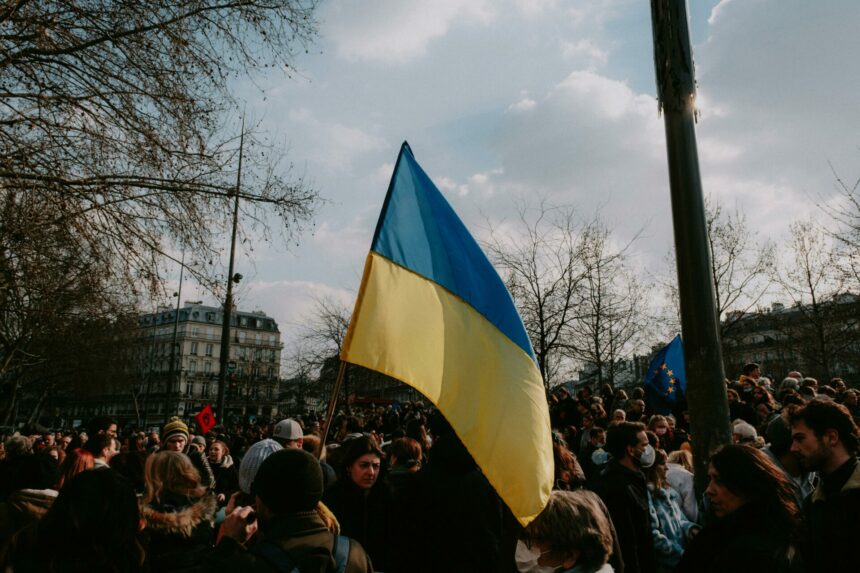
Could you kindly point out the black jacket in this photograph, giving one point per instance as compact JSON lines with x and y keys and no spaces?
{"x":832,"y":520}
{"x":363,"y":517}
{"x":625,"y":494}
{"x":746,"y":541}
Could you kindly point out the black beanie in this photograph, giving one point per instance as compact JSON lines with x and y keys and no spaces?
{"x":288,"y":481}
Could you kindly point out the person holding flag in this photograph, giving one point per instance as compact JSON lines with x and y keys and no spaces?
{"x":433,"y":313}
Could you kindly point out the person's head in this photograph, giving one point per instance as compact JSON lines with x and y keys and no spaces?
{"x":572,"y":530}
{"x":198,"y":443}
{"x":683,"y":458}
{"x":405,"y":452}
{"x":658,"y":425}
{"x":620,"y":395}
{"x":77,"y":460}
{"x":619,"y":416}
{"x":597,"y":437}
{"x":566,"y":466}
{"x":253,"y":459}
{"x":637,"y":405}
{"x":850,"y":398}
{"x":94,"y":523}
{"x":288,"y":481}
{"x":18,"y":446}
{"x":64,"y":442}
{"x":171,"y":472}
{"x":656,"y":474}
{"x":175,"y":435}
{"x":744,"y":433}
{"x":733,"y":396}
{"x":628,"y":444}
{"x":313,"y":445}
{"x":741,"y":474}
{"x":827,"y":391}
{"x":102,"y":447}
{"x":289,"y":433}
{"x":48,"y":439}
{"x":838,"y":384}
{"x":362,"y":461}
{"x":823,"y":435}
{"x":102,"y":425}
{"x":218,"y":451}
{"x":752,"y":370}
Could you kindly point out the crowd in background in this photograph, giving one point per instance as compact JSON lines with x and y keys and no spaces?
{"x":394,"y":489}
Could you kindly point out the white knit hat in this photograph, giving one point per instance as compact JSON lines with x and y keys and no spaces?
{"x":253,"y":459}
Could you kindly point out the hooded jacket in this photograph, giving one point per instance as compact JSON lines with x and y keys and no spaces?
{"x":23,"y":507}
{"x":180,"y":532}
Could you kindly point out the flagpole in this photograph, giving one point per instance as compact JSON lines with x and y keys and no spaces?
{"x":332,"y":403}
{"x":676,"y":87}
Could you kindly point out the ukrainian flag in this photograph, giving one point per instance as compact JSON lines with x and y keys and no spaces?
{"x":433,"y":313}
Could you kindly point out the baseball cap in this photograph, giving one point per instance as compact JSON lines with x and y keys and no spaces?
{"x":288,"y":429}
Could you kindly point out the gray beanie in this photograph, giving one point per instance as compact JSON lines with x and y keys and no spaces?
{"x":253,"y":460}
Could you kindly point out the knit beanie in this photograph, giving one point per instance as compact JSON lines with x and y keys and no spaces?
{"x":253,"y":460}
{"x":173,"y":427}
{"x":289,"y":481}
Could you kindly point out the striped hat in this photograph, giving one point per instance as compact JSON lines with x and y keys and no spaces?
{"x":173,"y":427}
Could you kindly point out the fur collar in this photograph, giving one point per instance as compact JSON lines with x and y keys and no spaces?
{"x":183,"y":521}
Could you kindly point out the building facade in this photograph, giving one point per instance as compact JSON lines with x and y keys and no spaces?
{"x":181,"y":379}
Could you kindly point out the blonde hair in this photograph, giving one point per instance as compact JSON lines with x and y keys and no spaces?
{"x":574,"y":521}
{"x":172,"y":472}
{"x":683,"y":458}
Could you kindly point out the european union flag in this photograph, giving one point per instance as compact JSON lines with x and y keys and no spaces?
{"x":666,"y":380}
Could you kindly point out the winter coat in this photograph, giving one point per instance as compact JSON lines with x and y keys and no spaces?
{"x":749,"y":540}
{"x":226,"y":476}
{"x":305,"y":539}
{"x":23,"y":507}
{"x":832,"y":520}
{"x":670,"y":528}
{"x":363,"y":516}
{"x":181,"y":532}
{"x":681,"y":481}
{"x":625,"y":494}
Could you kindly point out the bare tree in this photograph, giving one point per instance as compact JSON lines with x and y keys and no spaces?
{"x":844,"y":213}
{"x":609,"y":310}
{"x":541,"y":262}
{"x":825,"y":332}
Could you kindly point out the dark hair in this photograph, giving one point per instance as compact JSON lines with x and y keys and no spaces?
{"x":748,"y":368}
{"x":824,"y":415}
{"x":406,"y":450}
{"x":565,"y":461}
{"x":92,"y":526}
{"x":100,"y":424}
{"x":357,"y":447}
{"x":97,"y":443}
{"x":621,"y":436}
{"x":749,"y":473}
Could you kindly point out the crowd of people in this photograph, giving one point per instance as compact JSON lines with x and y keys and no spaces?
{"x":394,"y":489}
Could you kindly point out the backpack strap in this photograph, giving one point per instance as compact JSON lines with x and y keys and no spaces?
{"x":341,"y":552}
{"x":275,"y":556}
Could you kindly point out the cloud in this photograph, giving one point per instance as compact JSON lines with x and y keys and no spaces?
{"x":397,"y":31}
{"x":586,"y":51}
{"x":339,"y":144}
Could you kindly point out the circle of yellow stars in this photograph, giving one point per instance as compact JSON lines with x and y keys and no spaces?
{"x":672,"y":381}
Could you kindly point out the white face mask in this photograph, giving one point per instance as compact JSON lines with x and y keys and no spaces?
{"x":661,"y":431}
{"x":527,"y":560}
{"x":646,"y":460}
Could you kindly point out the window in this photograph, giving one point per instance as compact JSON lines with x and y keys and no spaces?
{"x":194,"y":349}
{"x":258,"y":339}
{"x":192,"y":366}
{"x":243,"y":321}
{"x":195,"y":331}
{"x":205,"y":389}
{"x":207,"y":367}
{"x":210,"y":316}
{"x":241,"y":336}
{"x":209,"y":348}
{"x":270,"y":373}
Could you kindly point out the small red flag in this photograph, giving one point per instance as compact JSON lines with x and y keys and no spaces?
{"x":206,"y":419}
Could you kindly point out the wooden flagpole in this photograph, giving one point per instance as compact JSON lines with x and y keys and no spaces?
{"x":332,"y":403}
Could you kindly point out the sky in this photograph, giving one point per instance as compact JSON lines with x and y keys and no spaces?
{"x":511,"y":102}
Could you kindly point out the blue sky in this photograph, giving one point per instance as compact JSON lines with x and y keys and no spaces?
{"x":515,"y":100}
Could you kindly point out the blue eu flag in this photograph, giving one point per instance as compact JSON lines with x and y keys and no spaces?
{"x":665,"y":380}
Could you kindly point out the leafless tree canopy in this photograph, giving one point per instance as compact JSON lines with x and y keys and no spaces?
{"x":113,"y":151}
{"x":112,"y":117}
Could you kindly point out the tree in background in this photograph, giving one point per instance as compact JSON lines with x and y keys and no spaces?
{"x":116,"y":147}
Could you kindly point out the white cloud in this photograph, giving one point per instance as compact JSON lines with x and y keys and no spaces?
{"x":339,"y":144}
{"x":397,"y":31}
{"x":522,"y":106}
{"x":586,"y":51}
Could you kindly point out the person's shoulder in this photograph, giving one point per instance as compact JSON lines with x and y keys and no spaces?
{"x":358,"y":560}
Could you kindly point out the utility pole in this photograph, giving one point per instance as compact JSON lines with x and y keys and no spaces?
{"x":228,"y":299}
{"x":676,"y":93}
{"x":172,"y":369}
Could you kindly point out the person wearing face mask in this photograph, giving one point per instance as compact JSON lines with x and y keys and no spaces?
{"x":623,"y":488}
{"x":572,"y":534}
{"x":660,"y":426}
